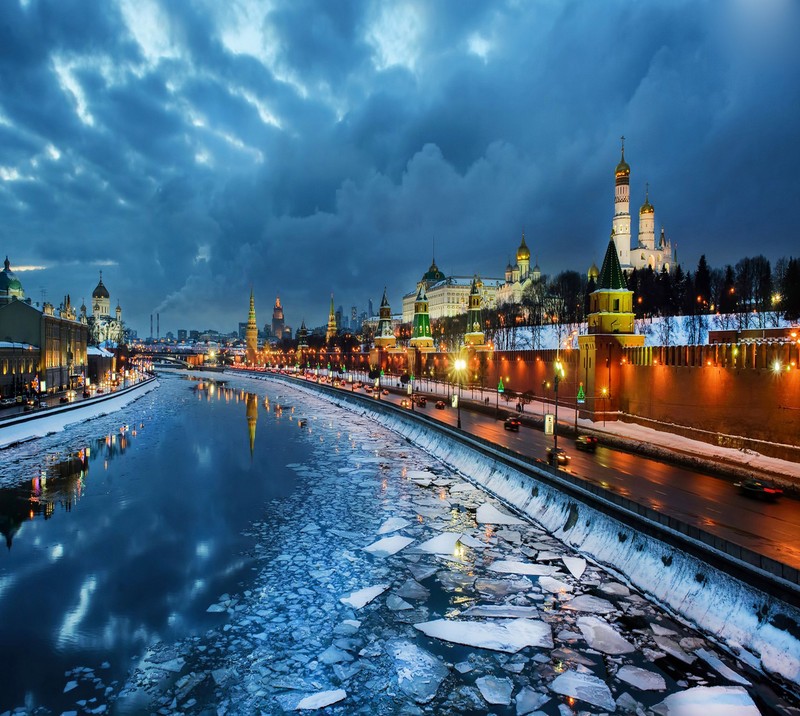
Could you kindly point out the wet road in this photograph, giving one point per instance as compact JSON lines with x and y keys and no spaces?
{"x":706,"y":501}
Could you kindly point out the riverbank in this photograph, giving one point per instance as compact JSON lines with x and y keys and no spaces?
{"x":29,"y":426}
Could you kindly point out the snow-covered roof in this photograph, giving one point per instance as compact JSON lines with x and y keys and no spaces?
{"x":98,"y":351}
{"x":14,"y":344}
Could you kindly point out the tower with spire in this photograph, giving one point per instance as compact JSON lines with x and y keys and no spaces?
{"x":384,"y":335}
{"x":474,"y":335}
{"x":621,"y":223}
{"x":278,"y":323}
{"x":251,"y":333}
{"x":332,"y":330}
{"x":421,"y":336}
{"x":302,"y":335}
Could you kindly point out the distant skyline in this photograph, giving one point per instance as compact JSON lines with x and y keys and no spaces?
{"x":193,"y":150}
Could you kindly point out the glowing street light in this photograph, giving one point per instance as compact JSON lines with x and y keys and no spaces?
{"x":556,"y":380}
{"x":460,"y":367}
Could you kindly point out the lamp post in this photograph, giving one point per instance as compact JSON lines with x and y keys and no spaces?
{"x":558,"y":377}
{"x":460,"y":365}
{"x":605,"y":394}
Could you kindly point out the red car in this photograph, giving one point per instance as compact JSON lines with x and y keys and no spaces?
{"x":440,"y":404}
{"x":586,"y":442}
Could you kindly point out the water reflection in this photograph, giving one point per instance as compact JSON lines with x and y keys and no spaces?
{"x":58,"y":481}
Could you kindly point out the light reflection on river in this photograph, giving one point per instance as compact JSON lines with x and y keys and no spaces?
{"x":121,"y":538}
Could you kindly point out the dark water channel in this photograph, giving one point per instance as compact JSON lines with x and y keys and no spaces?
{"x":121,"y":532}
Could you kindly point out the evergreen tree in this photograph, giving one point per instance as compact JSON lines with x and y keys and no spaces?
{"x":702,"y":285}
{"x":727,"y":298}
{"x":790,"y":290}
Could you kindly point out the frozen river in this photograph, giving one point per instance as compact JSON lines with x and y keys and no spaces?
{"x":209,"y":554}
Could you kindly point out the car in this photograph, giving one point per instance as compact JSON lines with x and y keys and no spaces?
{"x":586,"y":442}
{"x":440,"y":404}
{"x":385,"y":392}
{"x":5,"y":402}
{"x":43,"y":404}
{"x":512,"y":423}
{"x":405,"y":403}
{"x":557,"y":456}
{"x":759,"y":489}
{"x":86,"y":394}
{"x":421,"y":400}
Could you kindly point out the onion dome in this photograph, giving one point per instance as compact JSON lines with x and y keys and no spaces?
{"x":647,"y":207}
{"x":523,"y":253}
{"x":593,"y":272}
{"x":8,"y":281}
{"x":622,"y":170}
{"x":101,"y":291}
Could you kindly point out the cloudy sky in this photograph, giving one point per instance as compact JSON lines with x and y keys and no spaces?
{"x":191,"y":149}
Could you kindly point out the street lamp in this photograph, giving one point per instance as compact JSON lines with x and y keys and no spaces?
{"x":556,"y":380}
{"x":460,"y":366}
{"x":605,"y":394}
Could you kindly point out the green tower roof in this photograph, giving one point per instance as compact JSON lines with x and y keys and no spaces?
{"x":611,"y":276}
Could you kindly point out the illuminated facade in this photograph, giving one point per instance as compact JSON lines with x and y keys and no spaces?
{"x":646,"y":252}
{"x":474,"y":335}
{"x":251,"y":333}
{"x":384,"y":335}
{"x":332,"y":330}
{"x":518,"y":277}
{"x":421,"y":336}
{"x":277,"y":319}
{"x":103,"y":328}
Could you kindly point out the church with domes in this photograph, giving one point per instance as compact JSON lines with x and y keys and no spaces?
{"x":104,"y":329}
{"x":647,"y":252}
{"x":518,"y":276}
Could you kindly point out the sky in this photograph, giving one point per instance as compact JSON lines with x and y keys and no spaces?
{"x":193,"y":149}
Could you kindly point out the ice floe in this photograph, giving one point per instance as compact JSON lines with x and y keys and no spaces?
{"x":388,"y":545}
{"x":494,"y":690}
{"x":588,"y":603}
{"x":506,"y":636}
{"x":642,"y":679}
{"x":362,"y":597}
{"x":575,"y":565}
{"x":419,"y":673}
{"x":603,"y":637}
{"x":708,"y":701}
{"x":512,"y":567}
{"x":444,"y":543}
{"x":488,"y":514}
{"x":321,"y":700}
{"x":393,"y":524}
{"x":585,"y":687}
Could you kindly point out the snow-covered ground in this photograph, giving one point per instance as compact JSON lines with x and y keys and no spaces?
{"x":395,"y":585}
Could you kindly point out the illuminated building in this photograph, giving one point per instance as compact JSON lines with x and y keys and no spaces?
{"x":421,"y":336}
{"x":384,"y":336}
{"x":332,"y":330}
{"x":474,"y":335}
{"x":103,"y":329}
{"x":518,"y":277}
{"x":277,"y":319}
{"x":645,"y":253}
{"x":251,"y":333}
{"x":447,"y":296}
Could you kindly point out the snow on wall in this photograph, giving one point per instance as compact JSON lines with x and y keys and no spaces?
{"x":56,"y":421}
{"x":737,"y":614}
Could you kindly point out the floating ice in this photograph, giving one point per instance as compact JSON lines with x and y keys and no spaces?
{"x":641,"y":678}
{"x":615,"y":589}
{"x":392,"y":525}
{"x":472,"y":542}
{"x":510,"y":567}
{"x":388,"y":545}
{"x":321,"y":700}
{"x":488,"y":514}
{"x":554,"y":586}
{"x":673,"y":649}
{"x":708,"y":701}
{"x":588,"y":603}
{"x":396,"y":604}
{"x":462,"y":487}
{"x":528,"y":700}
{"x":411,"y":589}
{"x":419,"y":673}
{"x":503,"y":587}
{"x":70,"y":685}
{"x":507,"y":611}
{"x":444,"y":543}
{"x":362,"y":597}
{"x":494,"y":690}
{"x":576,"y":565}
{"x":659,"y":630}
{"x":585,"y":687}
{"x":334,"y":655}
{"x":507,"y":636}
{"x":603,"y":637}
{"x":718,"y":665}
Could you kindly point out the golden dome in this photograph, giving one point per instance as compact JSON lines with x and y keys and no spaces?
{"x":593,"y":271}
{"x":523,"y":254}
{"x":622,"y":170}
{"x":647,"y":207}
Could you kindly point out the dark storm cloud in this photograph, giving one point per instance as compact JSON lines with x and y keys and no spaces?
{"x":198,"y":149}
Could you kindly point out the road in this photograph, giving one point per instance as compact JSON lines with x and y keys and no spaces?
{"x":706,"y":501}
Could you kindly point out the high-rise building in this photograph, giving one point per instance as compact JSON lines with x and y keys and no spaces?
{"x":251,"y":333}
{"x":277,"y":319}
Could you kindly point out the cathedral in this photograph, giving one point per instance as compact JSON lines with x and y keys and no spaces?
{"x":646,"y":252}
{"x":518,"y":276}
{"x":103,"y":328}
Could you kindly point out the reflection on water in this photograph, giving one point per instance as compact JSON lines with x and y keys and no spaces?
{"x":59,"y":481}
{"x":125,"y":538}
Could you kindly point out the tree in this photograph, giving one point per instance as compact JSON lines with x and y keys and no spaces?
{"x":790,"y":290}
{"x":702,"y":285}
{"x":727,"y":297}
